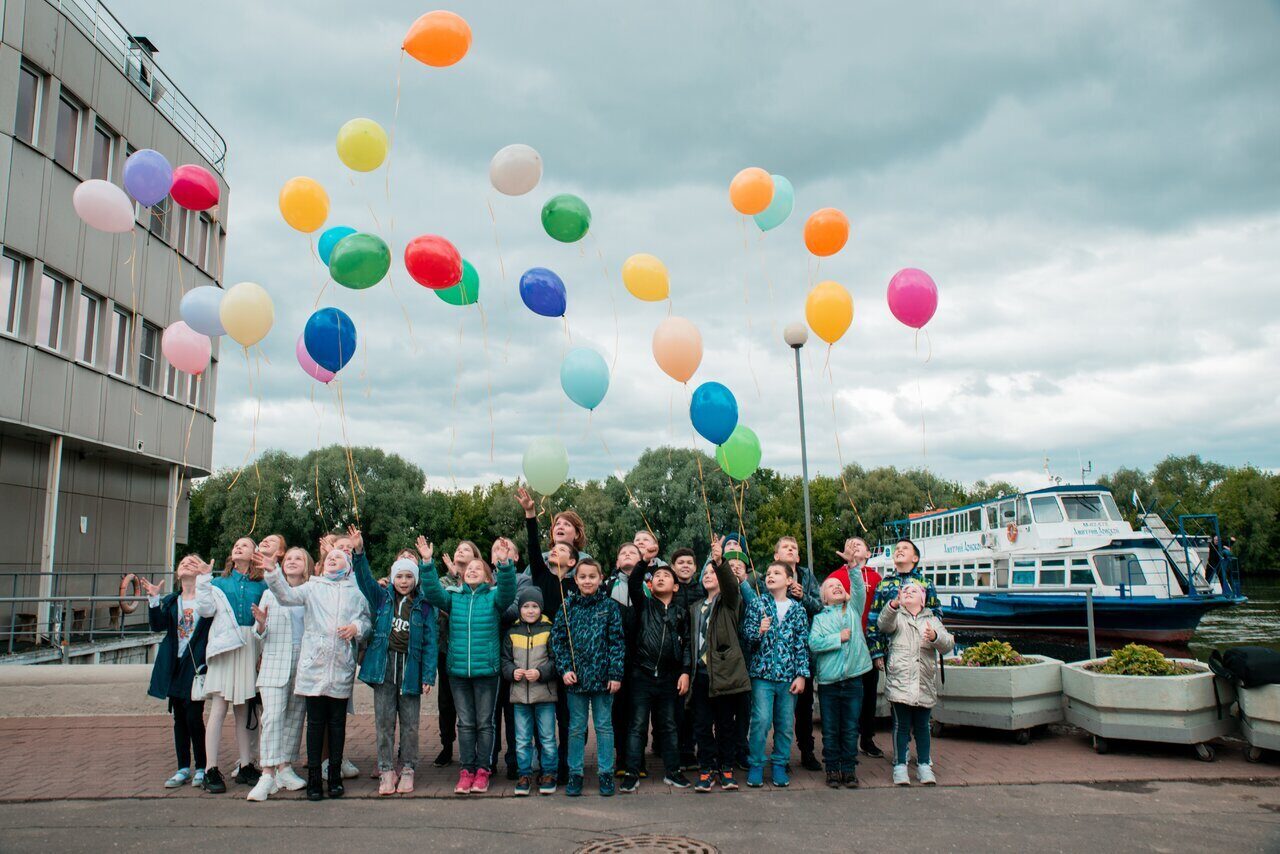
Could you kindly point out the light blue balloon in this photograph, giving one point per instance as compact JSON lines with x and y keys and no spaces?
{"x":584,"y":377}
{"x":784,"y":201}
{"x":199,"y":309}
{"x":330,"y":238}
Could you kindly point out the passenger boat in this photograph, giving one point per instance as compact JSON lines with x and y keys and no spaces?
{"x":1024,"y":563}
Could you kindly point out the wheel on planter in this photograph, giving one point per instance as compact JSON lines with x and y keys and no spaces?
{"x":1100,"y":745}
{"x":935,"y":728}
{"x":1253,"y":754}
{"x":1022,"y":736}
{"x":1205,"y":752}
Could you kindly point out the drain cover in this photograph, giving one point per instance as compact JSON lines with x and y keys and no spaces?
{"x":648,"y":842}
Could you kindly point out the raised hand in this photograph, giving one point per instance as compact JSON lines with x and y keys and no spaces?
{"x":717,"y":549}
{"x":425,"y":549}
{"x":846,"y":554}
{"x":765,"y":624}
{"x":357,"y":539}
{"x":795,"y":589}
{"x":526,"y":502}
{"x":348,"y":631}
{"x":259,"y":561}
{"x":153,"y":590}
{"x":259,"y":616}
{"x":448,"y":564}
{"x":326,"y":545}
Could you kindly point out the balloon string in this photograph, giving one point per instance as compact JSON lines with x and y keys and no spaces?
{"x":928,"y":341}
{"x":502,"y":272}
{"x":835,"y":424}
{"x":182,"y":475}
{"x":740,"y":507}
{"x":134,"y":334}
{"x":706,"y":506}
{"x":352,"y":477}
{"x":319,"y":421}
{"x":254,"y":436}
{"x":623,"y":480}
{"x":488,"y":375}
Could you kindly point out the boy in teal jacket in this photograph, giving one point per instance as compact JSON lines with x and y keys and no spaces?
{"x":841,"y":656}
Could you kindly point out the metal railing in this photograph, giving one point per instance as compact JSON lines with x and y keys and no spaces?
{"x":55,"y":619}
{"x":1089,"y":628}
{"x":118,"y":45}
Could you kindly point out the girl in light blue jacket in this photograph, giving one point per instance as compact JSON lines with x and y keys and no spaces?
{"x":841,"y":657}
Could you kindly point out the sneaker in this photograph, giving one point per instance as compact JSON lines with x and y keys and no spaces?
{"x":480,"y":783}
{"x":197,"y":779}
{"x":523,"y":785}
{"x":851,"y":779}
{"x":727,"y":781}
{"x":405,"y":786}
{"x":834,"y":780}
{"x":289,"y":779}
{"x":643,"y":773}
{"x":780,"y":778}
{"x":349,"y":769}
{"x":387,"y":783}
{"x":178,"y":779}
{"x":755,"y":777}
{"x":264,"y":788}
{"x":247,"y":775}
{"x":677,"y":779}
{"x":512,"y":773}
{"x":809,"y":762}
{"x":465,"y":779}
{"x":630,"y":782}
{"x":444,"y":757}
{"x":606,"y":785}
{"x":924,"y":773}
{"x":869,"y":748}
{"x":213,"y":782}
{"x":547,"y":784}
{"x":705,"y":781}
{"x":900,"y":777}
{"x":574,"y":787}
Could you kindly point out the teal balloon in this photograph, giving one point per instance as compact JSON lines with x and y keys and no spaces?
{"x":546,"y":464}
{"x":465,"y":292}
{"x":784,"y":201}
{"x":329,"y":239}
{"x":739,"y":456}
{"x":566,"y":218}
{"x":584,"y":376}
{"x":360,"y":261}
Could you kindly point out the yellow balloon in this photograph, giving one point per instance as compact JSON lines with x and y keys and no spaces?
{"x":829,"y":310}
{"x":304,"y":204}
{"x":362,"y":145}
{"x":646,"y":277}
{"x":246,"y":313}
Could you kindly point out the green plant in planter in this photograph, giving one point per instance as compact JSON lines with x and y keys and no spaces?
{"x":1138,"y":660}
{"x":993,"y":653}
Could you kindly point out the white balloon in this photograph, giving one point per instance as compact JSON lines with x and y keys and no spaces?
{"x":515,"y":170}
{"x":103,"y":206}
{"x":201,"y":308}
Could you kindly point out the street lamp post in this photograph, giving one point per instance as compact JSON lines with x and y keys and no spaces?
{"x":796,"y":334}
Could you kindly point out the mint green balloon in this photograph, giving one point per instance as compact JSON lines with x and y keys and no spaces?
{"x":360,"y":261}
{"x":546,"y":464}
{"x":465,"y":292}
{"x":739,"y":456}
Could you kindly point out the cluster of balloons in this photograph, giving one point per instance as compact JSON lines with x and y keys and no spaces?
{"x":244,"y":312}
{"x":148,"y":179}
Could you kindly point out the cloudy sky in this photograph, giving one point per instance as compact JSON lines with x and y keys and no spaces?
{"x":1094,"y":187}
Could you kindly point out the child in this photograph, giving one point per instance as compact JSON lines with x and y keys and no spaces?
{"x":658,"y":671}
{"x":841,"y":658}
{"x":465,"y":552}
{"x":279,"y":628}
{"x":855,"y":555}
{"x":504,"y":716}
{"x":232,"y":654}
{"x":588,"y":647}
{"x":623,"y":567}
{"x":526,"y":664}
{"x":628,"y":557}
{"x":804,"y":589}
{"x":647,"y":544}
{"x":776,"y":631}
{"x":688,"y":592}
{"x":399,"y":664}
{"x":914,"y":638}
{"x":335,"y":618}
{"x":474,"y":659}
{"x":179,"y":657}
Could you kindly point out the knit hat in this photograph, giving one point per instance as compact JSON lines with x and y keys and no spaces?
{"x":404,"y":565}
{"x":530,"y":594}
{"x":735,"y":537}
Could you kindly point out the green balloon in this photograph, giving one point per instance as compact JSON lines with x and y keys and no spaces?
{"x":546,"y":464}
{"x":465,"y":292}
{"x":360,"y":261}
{"x":739,"y":456}
{"x":566,"y":217}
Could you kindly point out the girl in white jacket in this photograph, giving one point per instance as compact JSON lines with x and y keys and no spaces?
{"x":335,"y":618}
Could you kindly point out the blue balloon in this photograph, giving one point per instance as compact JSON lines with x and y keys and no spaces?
{"x":148,"y":177}
{"x":543,"y":291}
{"x":199,"y":309}
{"x":714,"y":412}
{"x":330,"y":338}
{"x":584,"y":377}
{"x":784,"y":201}
{"x":330,"y":238}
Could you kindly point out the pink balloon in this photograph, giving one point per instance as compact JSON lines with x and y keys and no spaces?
{"x":186,"y":349}
{"x":913,"y":297}
{"x":103,"y":206}
{"x":194,"y":188}
{"x":309,"y":364}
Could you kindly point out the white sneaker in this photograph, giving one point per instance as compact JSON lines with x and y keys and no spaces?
{"x":197,"y":779}
{"x":289,"y":779}
{"x":179,"y":779}
{"x":264,"y":788}
{"x":924,"y":773}
{"x":900,"y":777}
{"x":349,"y":769}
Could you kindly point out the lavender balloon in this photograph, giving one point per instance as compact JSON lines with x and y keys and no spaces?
{"x":308,"y":364}
{"x":148,"y":176}
{"x":201,"y":309}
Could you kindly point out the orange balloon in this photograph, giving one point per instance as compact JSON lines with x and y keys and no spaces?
{"x":438,"y":39}
{"x":826,"y":232}
{"x":677,"y":348}
{"x":751,"y":190}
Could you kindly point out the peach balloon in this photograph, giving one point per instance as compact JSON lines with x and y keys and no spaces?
{"x":677,"y":348}
{"x":751,"y":191}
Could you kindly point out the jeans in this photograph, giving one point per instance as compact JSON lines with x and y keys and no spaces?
{"x":841,"y":702}
{"x":542,"y":718}
{"x":389,"y":705}
{"x":622,"y":723}
{"x":909,"y":721}
{"x":772,"y":704}
{"x":715,"y":727}
{"x":474,"y":698}
{"x":326,"y":716}
{"x":654,"y":695}
{"x":867,"y":716}
{"x":188,"y":731}
{"x":804,"y":718}
{"x":600,"y":707}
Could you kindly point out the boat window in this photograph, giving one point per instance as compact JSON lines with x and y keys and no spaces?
{"x":1053,"y":572}
{"x":1113,"y":569}
{"x":1006,"y":512}
{"x":1084,"y":508}
{"x":954,"y":579}
{"x":962,"y":523}
{"x":1024,"y":572}
{"x":1024,"y":511}
{"x":948,"y":524}
{"x":1046,"y":509}
{"x":1112,"y":510}
{"x":983,"y":579}
{"x":991,"y":517}
{"x":1080,"y":571}
{"x":975,"y":519}
{"x":968,"y":579}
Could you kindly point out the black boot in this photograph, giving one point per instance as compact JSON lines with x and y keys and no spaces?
{"x":445,"y":757}
{"x":336,"y":789}
{"x":315,"y":784}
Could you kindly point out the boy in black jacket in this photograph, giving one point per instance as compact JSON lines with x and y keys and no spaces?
{"x":688,"y":592}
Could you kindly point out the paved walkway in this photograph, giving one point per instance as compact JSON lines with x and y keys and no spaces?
{"x":129,"y":756}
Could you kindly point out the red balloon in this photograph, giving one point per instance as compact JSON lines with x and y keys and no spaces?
{"x":433,"y":262}
{"x":194,"y":188}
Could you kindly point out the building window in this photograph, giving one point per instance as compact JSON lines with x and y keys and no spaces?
{"x":202,"y":242}
{"x":53,"y":293}
{"x":87,"y":327}
{"x":120,"y":341}
{"x":27,"y":120}
{"x":193,"y":390}
{"x":180,"y":229}
{"x":104,"y":145}
{"x":147,"y":347}
{"x":11,"y":279}
{"x":67,"y":142}
{"x":160,"y":219}
{"x":175,"y":383}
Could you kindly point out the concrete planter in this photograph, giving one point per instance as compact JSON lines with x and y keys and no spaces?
{"x":1172,"y":709}
{"x":1260,"y":719}
{"x":1006,"y":698}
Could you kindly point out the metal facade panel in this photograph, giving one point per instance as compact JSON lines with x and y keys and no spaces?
{"x":63,"y":229}
{"x":146,"y":424}
{"x":110,"y":98}
{"x":10,"y":60}
{"x":77,"y":63}
{"x":85,"y":403}
{"x":40,"y":34}
{"x":117,"y":414}
{"x":26,"y":194}
{"x":50,"y":378}
{"x":13,"y":375}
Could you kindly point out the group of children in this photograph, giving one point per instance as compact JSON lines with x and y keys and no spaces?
{"x":709,"y":662}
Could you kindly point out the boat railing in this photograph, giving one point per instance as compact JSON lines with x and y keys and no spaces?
{"x":79,"y":608}
{"x":1088,"y":612}
{"x":1135,"y":566}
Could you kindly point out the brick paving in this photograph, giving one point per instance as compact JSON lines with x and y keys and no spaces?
{"x":130,"y":756}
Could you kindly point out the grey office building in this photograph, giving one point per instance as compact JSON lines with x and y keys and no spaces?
{"x":98,"y":435}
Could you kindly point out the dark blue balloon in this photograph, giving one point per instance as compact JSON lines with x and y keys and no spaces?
{"x":543,"y":291}
{"x":714,"y":412}
{"x":330,"y":338}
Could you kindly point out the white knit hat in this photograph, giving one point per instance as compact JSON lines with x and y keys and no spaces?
{"x":405,"y":565}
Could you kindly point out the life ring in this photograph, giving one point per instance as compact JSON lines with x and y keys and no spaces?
{"x":129,"y":580}
{"x":1011,"y":531}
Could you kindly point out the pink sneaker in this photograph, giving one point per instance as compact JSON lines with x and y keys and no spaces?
{"x":406,"y":782}
{"x":481,"y":783}
{"x":465,"y":779}
{"x":387,"y":785}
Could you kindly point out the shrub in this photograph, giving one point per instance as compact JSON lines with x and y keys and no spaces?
{"x":1138,"y":660}
{"x":993,"y":653}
